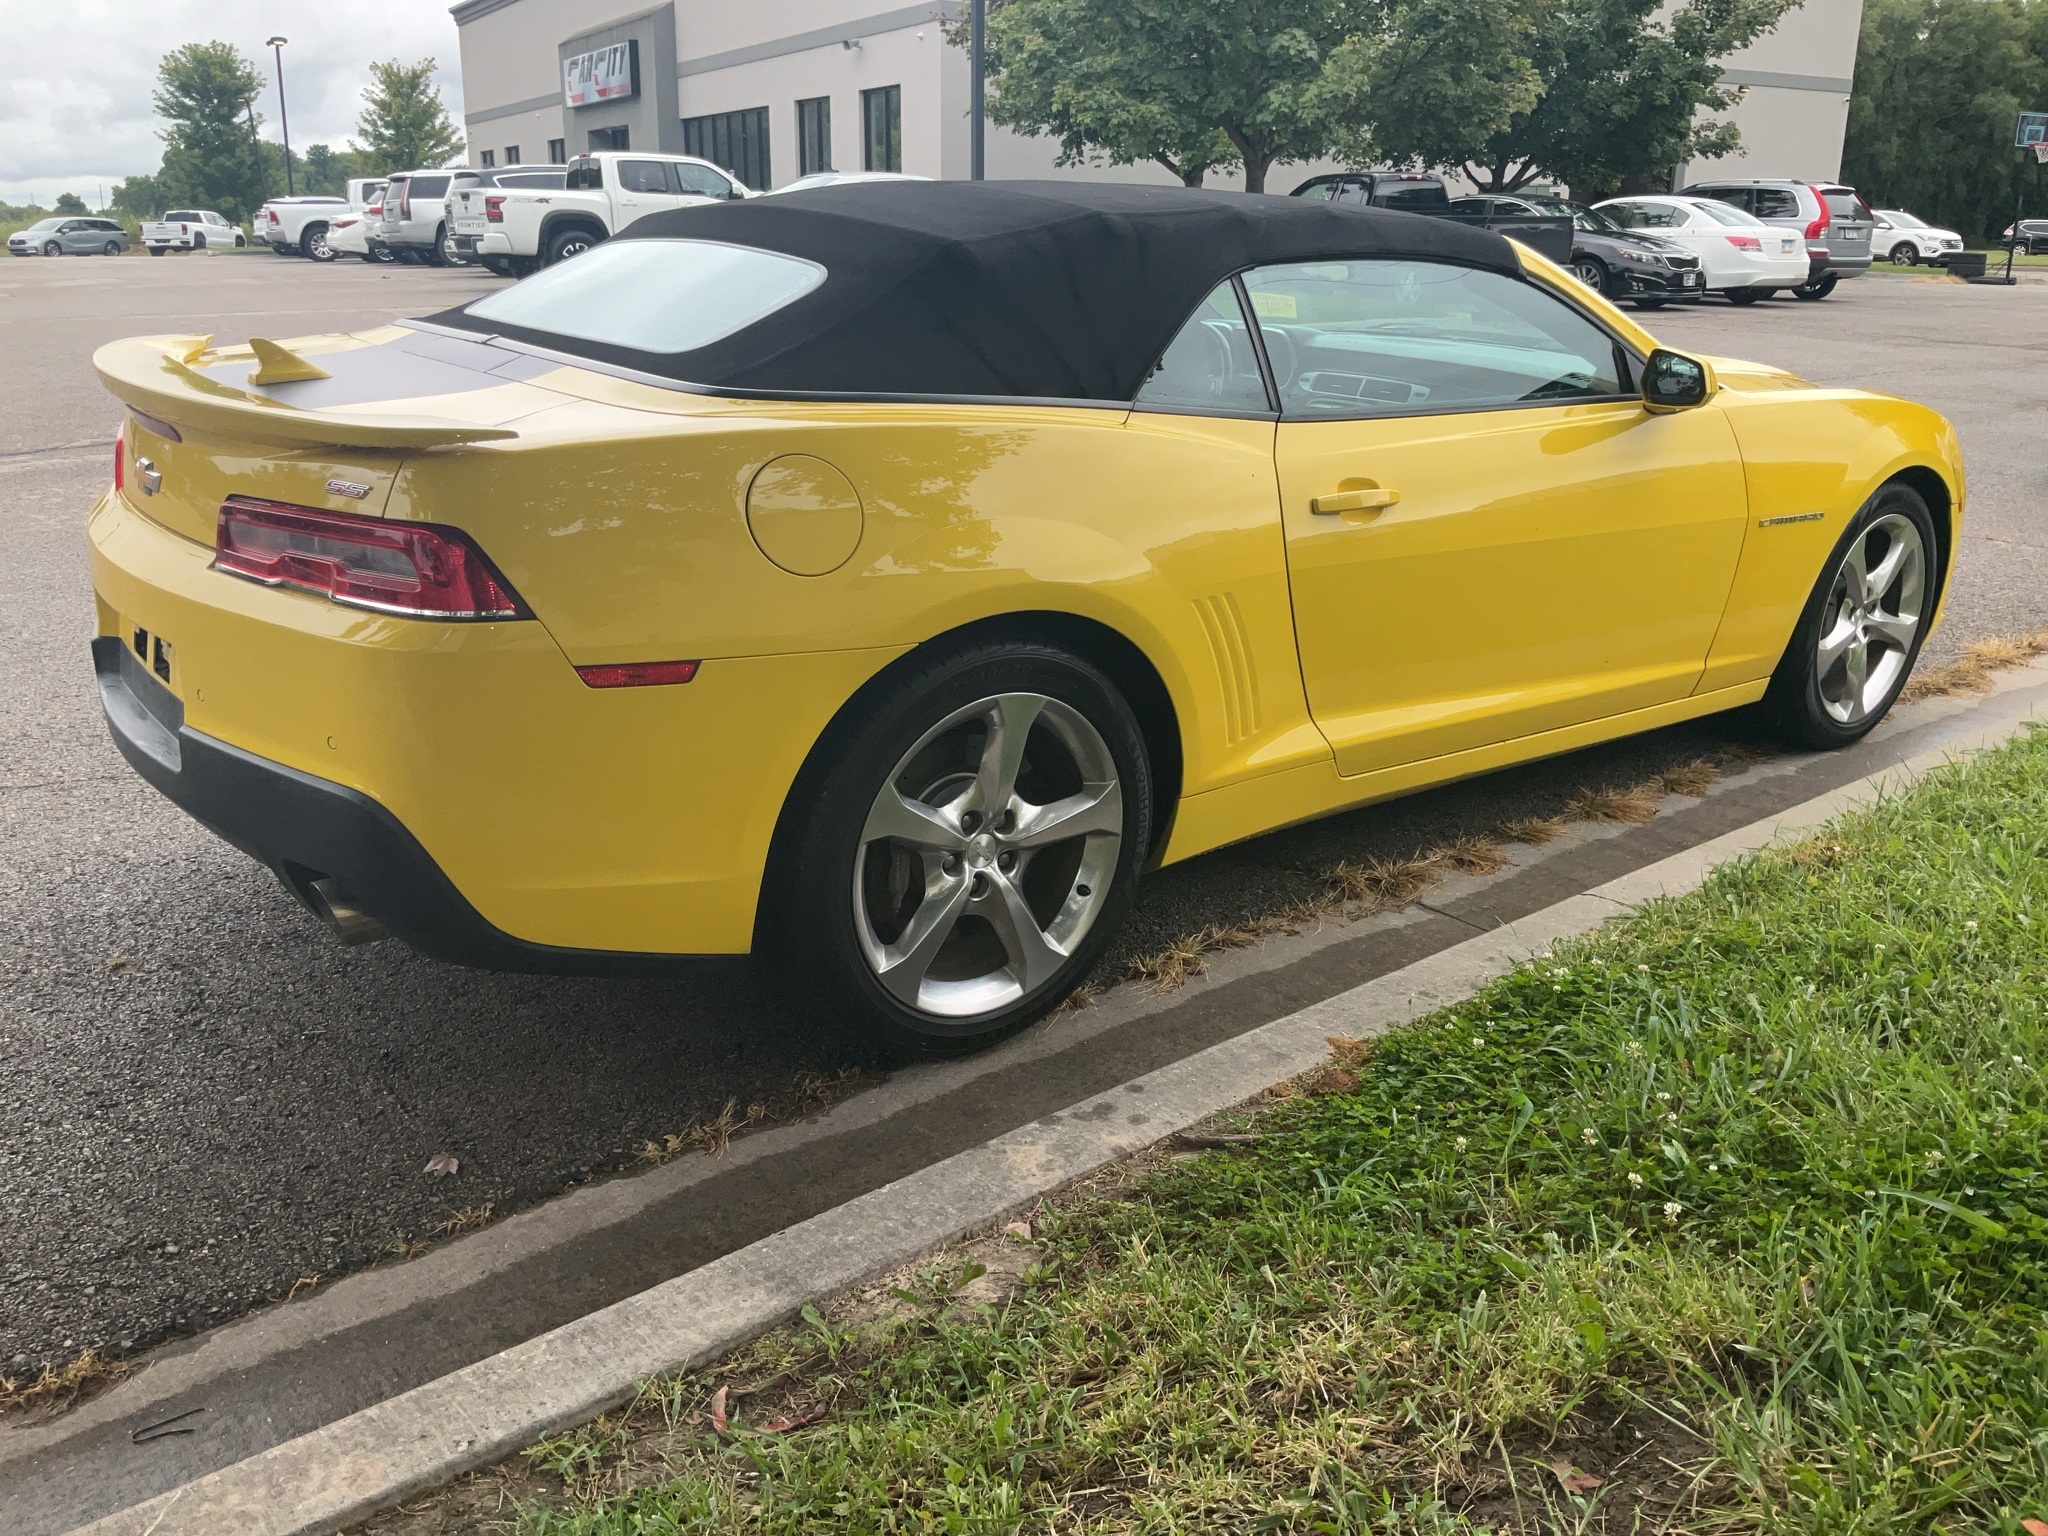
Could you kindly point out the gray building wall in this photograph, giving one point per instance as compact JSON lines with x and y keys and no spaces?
{"x":649,"y":117}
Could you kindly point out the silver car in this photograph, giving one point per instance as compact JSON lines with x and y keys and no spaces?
{"x":69,"y":237}
{"x":415,"y":224}
{"x":1835,"y":219}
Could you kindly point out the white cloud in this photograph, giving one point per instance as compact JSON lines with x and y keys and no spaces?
{"x":76,"y":76}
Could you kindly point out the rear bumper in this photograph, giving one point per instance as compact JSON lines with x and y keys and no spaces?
{"x":1841,"y":266}
{"x":308,"y":830}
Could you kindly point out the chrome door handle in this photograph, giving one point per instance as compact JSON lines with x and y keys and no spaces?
{"x":1352,"y":501}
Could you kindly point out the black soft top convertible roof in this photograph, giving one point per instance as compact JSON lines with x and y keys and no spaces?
{"x":1021,"y":289}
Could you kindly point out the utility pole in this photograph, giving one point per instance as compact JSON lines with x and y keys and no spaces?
{"x":977,"y":90}
{"x":284,"y":122}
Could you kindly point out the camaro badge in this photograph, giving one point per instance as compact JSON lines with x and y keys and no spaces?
{"x":347,"y":488}
{"x":1796,"y":517}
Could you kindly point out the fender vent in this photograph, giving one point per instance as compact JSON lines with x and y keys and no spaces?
{"x":1232,"y":649}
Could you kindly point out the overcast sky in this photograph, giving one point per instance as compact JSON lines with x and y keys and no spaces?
{"x":76,"y":76}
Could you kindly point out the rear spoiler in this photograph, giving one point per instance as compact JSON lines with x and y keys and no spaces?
{"x":155,"y":375}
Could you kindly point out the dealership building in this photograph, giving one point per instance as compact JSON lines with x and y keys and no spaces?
{"x":776,"y":89}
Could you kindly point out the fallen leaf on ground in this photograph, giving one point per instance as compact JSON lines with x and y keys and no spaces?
{"x":798,"y":1421}
{"x":1573,"y":1479}
{"x":2034,"y":1527}
{"x":1019,"y":1229}
{"x":718,"y":1419}
{"x":441,"y":1165}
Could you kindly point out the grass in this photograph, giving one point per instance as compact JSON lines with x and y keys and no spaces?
{"x":1730,"y":1218}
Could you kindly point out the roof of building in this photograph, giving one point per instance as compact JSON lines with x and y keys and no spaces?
{"x":1035,"y":290}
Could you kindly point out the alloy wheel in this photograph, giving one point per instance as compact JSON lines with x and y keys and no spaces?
{"x":987,"y":855}
{"x":1875,"y":608}
{"x":1904,"y":255}
{"x":317,"y":246}
{"x":1592,"y":274}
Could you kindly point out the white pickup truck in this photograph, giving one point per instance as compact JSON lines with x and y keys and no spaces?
{"x":188,"y":229}
{"x":297,"y":226}
{"x":516,"y":230}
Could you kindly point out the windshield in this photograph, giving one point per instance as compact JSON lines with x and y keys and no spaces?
{"x":1844,"y":204}
{"x":1903,"y":220}
{"x":45,"y":224}
{"x":662,"y":296}
{"x":1721,"y":213}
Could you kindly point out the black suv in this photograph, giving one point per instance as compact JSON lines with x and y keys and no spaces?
{"x":2033,"y":237}
{"x":1618,"y":262}
{"x":1409,"y":191}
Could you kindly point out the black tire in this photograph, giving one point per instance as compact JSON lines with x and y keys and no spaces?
{"x":437,"y":254}
{"x":1591,"y":271}
{"x":1794,"y":703}
{"x":240,"y":240}
{"x":1905,"y":254}
{"x":1820,"y":288}
{"x":199,"y":242}
{"x":156,"y":250}
{"x":814,"y":913}
{"x":573,"y":241}
{"x":111,"y":248}
{"x":1746,"y":295}
{"x":313,"y":244}
{"x":52,"y":248}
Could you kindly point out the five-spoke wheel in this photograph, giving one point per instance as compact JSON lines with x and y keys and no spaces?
{"x":970,"y":848}
{"x":1863,"y":624}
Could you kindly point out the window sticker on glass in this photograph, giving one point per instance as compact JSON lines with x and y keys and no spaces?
{"x":1274,"y":306}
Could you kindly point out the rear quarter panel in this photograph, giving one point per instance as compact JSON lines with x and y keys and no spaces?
{"x":627,"y":531}
{"x":1808,"y":450}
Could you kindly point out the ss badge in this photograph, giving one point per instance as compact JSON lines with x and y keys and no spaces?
{"x":350,"y":488}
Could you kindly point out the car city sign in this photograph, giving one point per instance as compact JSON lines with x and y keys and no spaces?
{"x":607,"y":74}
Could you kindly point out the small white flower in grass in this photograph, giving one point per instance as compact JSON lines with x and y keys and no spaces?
{"x":1460,"y":1143}
{"x":1555,"y":987}
{"x":1967,"y":1191}
{"x":1879,"y":948}
{"x":1635,"y":1181}
{"x":1671,"y":1119}
{"x":2019,"y":1061}
{"x":1590,"y":1136}
{"x":1479,"y":1039}
{"x":1633,"y":1048}
{"x":1934,"y":1157}
{"x":1664,"y":1097}
{"x":1970,"y":926}
{"x":1672,"y":1209}
{"x":1642,"y":967}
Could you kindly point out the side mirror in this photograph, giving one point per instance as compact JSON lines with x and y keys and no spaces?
{"x":1674,"y":382}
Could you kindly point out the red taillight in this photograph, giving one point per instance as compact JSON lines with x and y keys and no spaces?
{"x":376,"y":208}
{"x":121,"y":457}
{"x":638,"y":674}
{"x":1819,"y":226}
{"x":1746,"y":242}
{"x":494,"y":210}
{"x":416,"y":569}
{"x":272,"y":215}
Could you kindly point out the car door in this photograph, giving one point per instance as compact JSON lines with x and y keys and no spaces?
{"x":643,"y":189}
{"x":694,"y":182}
{"x":1488,"y":537}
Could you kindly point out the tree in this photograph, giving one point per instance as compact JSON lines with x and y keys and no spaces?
{"x":326,"y":172}
{"x":1188,"y":84}
{"x":1611,"y":97}
{"x":1938,"y":84}
{"x":69,"y":202}
{"x":204,"y":91}
{"x":139,"y":197}
{"x":404,"y":125}
{"x":1434,"y":81}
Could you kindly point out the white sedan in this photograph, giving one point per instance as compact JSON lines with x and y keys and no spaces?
{"x":1743,"y":257}
{"x":1908,"y":241}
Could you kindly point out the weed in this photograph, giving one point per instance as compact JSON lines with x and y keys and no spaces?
{"x":1635,"y":804}
{"x":1972,"y":671}
{"x":59,"y":1388}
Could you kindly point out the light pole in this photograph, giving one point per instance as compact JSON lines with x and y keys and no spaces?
{"x":977,"y":89}
{"x":284,"y":122}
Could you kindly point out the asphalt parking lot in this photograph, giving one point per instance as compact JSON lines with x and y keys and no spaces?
{"x":208,"y":1103}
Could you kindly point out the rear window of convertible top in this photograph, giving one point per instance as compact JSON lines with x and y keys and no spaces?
{"x":657,"y":296}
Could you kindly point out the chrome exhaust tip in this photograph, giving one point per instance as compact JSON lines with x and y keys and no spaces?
{"x":326,"y":900}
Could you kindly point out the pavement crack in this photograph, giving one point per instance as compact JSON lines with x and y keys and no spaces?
{"x":30,"y":453}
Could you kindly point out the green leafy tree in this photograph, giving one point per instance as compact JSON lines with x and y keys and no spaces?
{"x":1938,"y":84}
{"x":70,"y":203}
{"x":404,"y":125}
{"x":1610,"y":97}
{"x":1188,"y":84}
{"x":326,"y":171}
{"x":1433,"y":82}
{"x":204,"y":91}
{"x":139,"y":197}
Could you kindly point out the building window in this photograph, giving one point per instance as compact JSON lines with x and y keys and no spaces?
{"x":881,"y":129}
{"x":489,"y":160}
{"x":736,"y":140}
{"x":511,"y":154}
{"x":814,"y":135}
{"x":558,"y":151}
{"x":610,"y":138}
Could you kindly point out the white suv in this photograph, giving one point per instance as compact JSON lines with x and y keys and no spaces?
{"x":1907,"y":241}
{"x":415,"y":223}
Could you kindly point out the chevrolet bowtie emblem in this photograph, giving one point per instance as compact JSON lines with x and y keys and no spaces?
{"x":151,"y":477}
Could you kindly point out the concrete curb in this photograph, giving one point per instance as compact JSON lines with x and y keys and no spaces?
{"x":349,"y":1469}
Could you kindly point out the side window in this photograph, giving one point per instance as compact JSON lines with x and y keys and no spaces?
{"x":585,"y":176}
{"x":701,"y":180}
{"x":1734,"y":197}
{"x":1210,"y":365}
{"x":643,"y":176}
{"x":1775,"y":203}
{"x":1470,"y":204}
{"x":1321,"y":192}
{"x":1361,"y":338}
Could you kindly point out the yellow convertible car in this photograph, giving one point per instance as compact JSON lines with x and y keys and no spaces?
{"x":884,"y":576}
